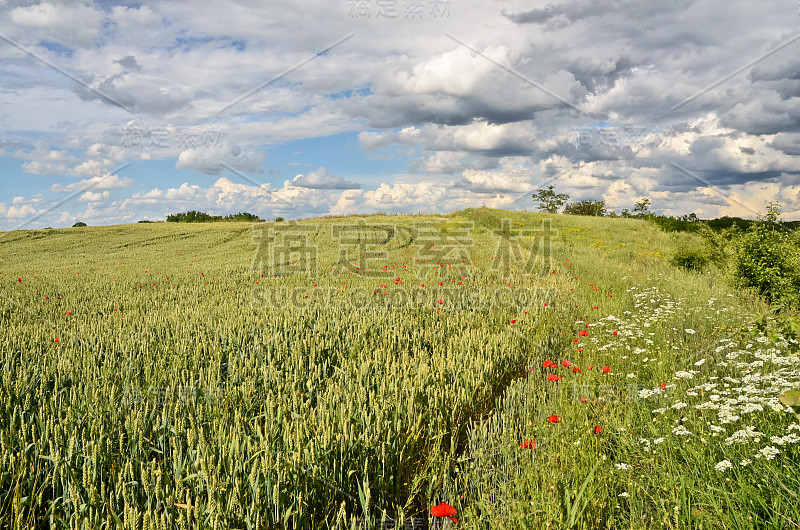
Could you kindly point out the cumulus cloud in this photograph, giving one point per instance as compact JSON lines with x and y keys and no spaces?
{"x":209,"y":159}
{"x":72,"y":24}
{"x":107,"y":182}
{"x":321,"y":180}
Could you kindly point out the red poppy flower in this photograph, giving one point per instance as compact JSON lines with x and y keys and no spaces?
{"x":19,"y":280}
{"x":590,"y":367}
{"x":595,"y":307}
{"x":662,"y":386}
{"x":513,"y":321}
{"x":553,"y":377}
{"x":614,"y":332}
{"x":56,"y":339}
{"x":580,"y":350}
{"x":548,"y":363}
{"x":528,"y":444}
{"x":606,"y":369}
{"x":444,"y":510}
{"x":554,"y":419}
{"x":565,"y":363}
{"x":576,"y":370}
{"x":597,"y":429}
{"x":584,"y":399}
{"x":583,"y":333}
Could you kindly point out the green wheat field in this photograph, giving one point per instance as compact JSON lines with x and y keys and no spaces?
{"x":529,"y":370}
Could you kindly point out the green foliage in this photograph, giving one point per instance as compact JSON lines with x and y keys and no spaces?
{"x":550,"y":201}
{"x":193,"y":216}
{"x":678,"y":224}
{"x":279,"y":219}
{"x":591,"y":208}
{"x":767,"y":260}
{"x":144,"y":221}
{"x":79,"y":224}
{"x":642,"y":207}
{"x":691,"y":257}
{"x":242,"y":216}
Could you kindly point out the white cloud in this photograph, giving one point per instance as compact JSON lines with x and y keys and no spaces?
{"x":107,"y":182}
{"x":77,"y":24}
{"x":321,"y":180}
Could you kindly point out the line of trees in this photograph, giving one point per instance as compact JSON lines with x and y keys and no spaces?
{"x":194,"y":216}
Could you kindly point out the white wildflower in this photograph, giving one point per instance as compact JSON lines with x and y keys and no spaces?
{"x":744,"y":436}
{"x":768,"y":452}
{"x":723,"y":466}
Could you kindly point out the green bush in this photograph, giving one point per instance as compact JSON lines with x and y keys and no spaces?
{"x":691,"y":258}
{"x":767,"y":260}
{"x":593,"y":208}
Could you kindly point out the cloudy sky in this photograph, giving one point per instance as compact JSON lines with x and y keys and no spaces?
{"x":116,"y":112}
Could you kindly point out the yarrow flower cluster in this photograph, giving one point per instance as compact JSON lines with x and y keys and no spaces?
{"x":723,"y":466}
{"x":744,"y":436}
{"x":768,"y":452}
{"x":680,"y":430}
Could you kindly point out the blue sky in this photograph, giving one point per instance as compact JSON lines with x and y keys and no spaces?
{"x":425,"y":106}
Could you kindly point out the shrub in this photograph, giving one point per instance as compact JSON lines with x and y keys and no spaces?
{"x":592,"y":208}
{"x":692,"y":258}
{"x":766,"y":260}
{"x":79,"y":224}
